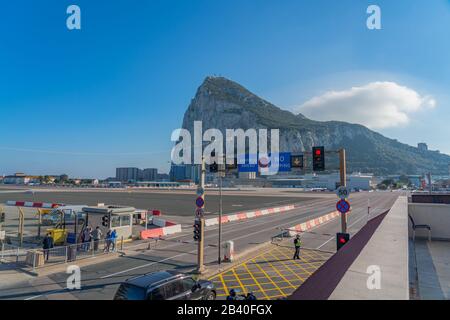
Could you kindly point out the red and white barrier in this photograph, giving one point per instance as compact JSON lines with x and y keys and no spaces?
{"x":247,"y":215}
{"x":308,"y":225}
{"x":165,"y":228}
{"x":30,"y":204}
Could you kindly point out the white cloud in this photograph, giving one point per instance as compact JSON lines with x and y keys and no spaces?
{"x":376,"y":105}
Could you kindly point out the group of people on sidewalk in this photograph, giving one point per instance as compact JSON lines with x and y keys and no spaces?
{"x":95,"y":236}
{"x":88,"y":236}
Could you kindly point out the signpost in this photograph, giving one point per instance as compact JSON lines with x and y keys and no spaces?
{"x":343,"y":206}
{"x":199,"y":202}
{"x":200,"y":220}
{"x":343,"y":192}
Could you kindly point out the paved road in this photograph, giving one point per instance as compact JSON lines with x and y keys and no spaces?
{"x":100,"y":281}
{"x":171,"y":203}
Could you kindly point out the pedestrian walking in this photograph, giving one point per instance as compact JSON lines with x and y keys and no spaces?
{"x":47,"y":244}
{"x":113,"y":239}
{"x":297,"y":245}
{"x":96,"y":236}
{"x":87,"y":238}
{"x":107,"y":241}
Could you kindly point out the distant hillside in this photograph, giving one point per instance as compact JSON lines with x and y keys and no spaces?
{"x":223,"y":104}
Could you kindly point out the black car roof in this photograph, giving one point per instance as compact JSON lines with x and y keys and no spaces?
{"x":152,"y":279}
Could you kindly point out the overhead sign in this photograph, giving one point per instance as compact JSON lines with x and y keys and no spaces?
{"x":343,"y":192}
{"x":200,"y":202}
{"x":297,"y":161}
{"x":251,"y":163}
{"x":343,"y":206}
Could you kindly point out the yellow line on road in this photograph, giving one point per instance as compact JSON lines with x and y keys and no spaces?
{"x":279,"y":273}
{"x":239,"y":281}
{"x":268,"y":277}
{"x":223,"y":283}
{"x":290,"y":269}
{"x":256,"y":281}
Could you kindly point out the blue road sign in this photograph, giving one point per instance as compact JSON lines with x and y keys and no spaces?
{"x":199,"y":202}
{"x":343,"y":206}
{"x":249,"y":163}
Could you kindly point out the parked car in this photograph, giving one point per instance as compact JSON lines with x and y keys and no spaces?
{"x":165,"y":285}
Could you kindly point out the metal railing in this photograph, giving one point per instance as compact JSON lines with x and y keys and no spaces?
{"x":38,"y":258}
{"x":12,"y":254}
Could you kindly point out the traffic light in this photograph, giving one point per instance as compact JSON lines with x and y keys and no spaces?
{"x":342,"y":239}
{"x":2,"y":217}
{"x":105,"y":221}
{"x":197,"y":230}
{"x":214,"y":167}
{"x":318,"y":158}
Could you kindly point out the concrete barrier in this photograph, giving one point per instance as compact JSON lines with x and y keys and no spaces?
{"x":248,"y":215}
{"x":165,"y":228}
{"x":308,"y":225}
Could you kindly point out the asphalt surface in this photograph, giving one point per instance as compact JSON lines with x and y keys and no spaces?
{"x":171,"y":203}
{"x":178,"y":252}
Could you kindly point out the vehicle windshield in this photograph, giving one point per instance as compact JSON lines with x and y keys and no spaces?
{"x":130,"y":292}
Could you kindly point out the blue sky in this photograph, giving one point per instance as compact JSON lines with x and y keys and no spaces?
{"x":84,"y":102}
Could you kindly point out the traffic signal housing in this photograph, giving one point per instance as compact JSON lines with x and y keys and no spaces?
{"x":2,"y":217}
{"x":318,"y":154}
{"x":197,"y":230}
{"x":214,"y":167}
{"x":342,"y":239}
{"x":105,"y":221}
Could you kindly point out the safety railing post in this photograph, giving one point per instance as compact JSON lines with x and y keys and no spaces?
{"x":17,"y":255}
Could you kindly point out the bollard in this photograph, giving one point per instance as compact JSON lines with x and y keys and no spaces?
{"x":121,"y":244}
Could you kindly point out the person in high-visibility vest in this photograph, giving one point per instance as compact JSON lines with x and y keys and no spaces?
{"x":297,"y":244}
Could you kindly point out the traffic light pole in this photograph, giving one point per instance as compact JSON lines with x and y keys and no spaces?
{"x":219,"y":259}
{"x":343,"y":176}
{"x":200,"y":250}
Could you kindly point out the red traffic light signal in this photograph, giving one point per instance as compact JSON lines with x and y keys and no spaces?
{"x":342,"y":239}
{"x":318,"y":158}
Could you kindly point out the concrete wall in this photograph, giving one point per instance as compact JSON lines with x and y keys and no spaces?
{"x":436,"y":215}
{"x":387,"y":250}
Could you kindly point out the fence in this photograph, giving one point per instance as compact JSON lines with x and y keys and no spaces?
{"x":38,"y":258}
{"x":12,"y":254}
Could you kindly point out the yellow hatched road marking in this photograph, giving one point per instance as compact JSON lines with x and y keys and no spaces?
{"x":279,"y":273}
{"x":239,"y":281}
{"x":298,"y":264}
{"x":256,"y":282}
{"x":292,"y":271}
{"x":223,"y":284}
{"x":268,"y":277}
